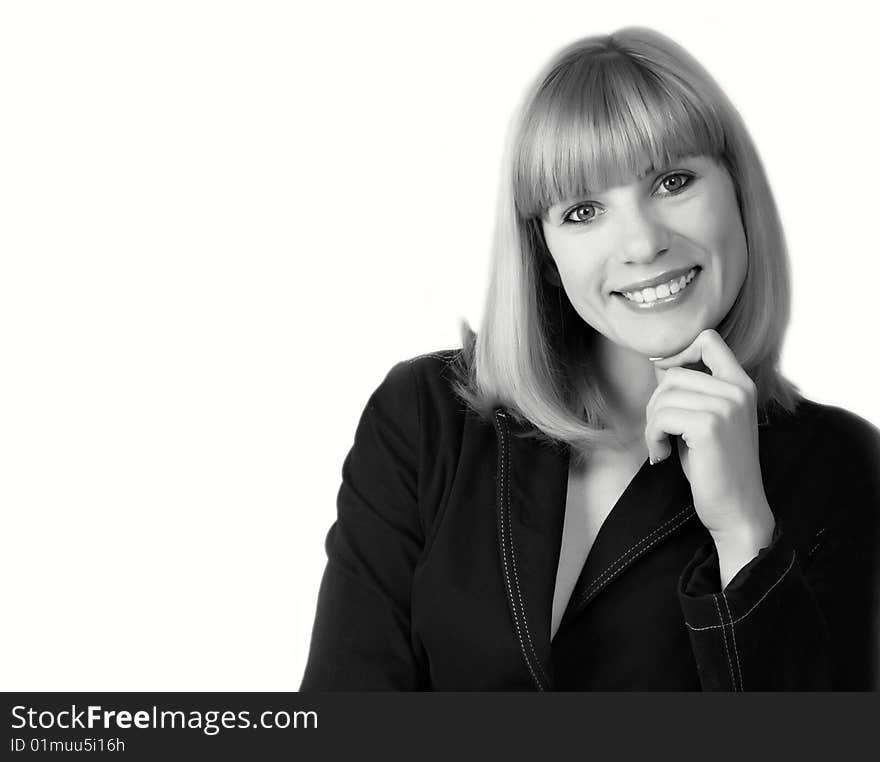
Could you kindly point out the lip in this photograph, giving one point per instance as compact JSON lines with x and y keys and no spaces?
{"x":663,"y":277}
{"x":664,"y":303}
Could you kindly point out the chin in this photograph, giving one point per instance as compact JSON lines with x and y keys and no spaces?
{"x":663,"y":346}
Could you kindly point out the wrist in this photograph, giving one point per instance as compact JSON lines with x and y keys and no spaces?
{"x":736,"y":547}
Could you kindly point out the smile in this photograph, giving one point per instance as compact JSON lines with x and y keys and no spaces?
{"x":653,"y":293}
{"x":653,"y":297}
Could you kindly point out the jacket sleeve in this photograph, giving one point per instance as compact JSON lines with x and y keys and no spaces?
{"x":361,"y":635}
{"x":791,"y":622}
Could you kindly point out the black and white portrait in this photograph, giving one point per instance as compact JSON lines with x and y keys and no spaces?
{"x":611,"y":484}
{"x":474,"y":347}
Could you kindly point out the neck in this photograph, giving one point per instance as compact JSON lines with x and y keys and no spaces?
{"x":627,"y":379}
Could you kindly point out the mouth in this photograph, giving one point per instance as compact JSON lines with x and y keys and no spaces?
{"x":660,"y":293}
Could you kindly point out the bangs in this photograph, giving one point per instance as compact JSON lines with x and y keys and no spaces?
{"x":605,"y":120}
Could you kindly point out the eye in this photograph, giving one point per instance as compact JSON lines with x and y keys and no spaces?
{"x":582,"y":214}
{"x":674,"y":182}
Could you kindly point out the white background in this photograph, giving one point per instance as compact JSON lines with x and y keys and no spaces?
{"x":221,"y":223}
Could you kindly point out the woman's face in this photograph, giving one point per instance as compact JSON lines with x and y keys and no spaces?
{"x":652,"y":263}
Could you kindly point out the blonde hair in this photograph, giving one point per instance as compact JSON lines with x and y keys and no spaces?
{"x":603,"y":109}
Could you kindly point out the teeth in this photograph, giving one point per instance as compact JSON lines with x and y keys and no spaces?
{"x":653,"y":293}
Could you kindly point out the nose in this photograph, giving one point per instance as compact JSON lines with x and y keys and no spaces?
{"x":643,"y":236}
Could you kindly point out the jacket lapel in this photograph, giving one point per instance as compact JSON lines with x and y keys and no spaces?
{"x":654,"y":505}
{"x":531,"y":480}
{"x":531,"y":487}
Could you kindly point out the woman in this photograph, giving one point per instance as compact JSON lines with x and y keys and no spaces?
{"x":611,"y":487}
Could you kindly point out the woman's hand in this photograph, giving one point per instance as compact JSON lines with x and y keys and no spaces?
{"x":715,"y":417}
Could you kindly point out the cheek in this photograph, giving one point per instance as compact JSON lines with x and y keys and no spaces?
{"x":579,"y":263}
{"x":568,"y":264}
{"x":734,"y":251}
{"x":582,"y":285}
{"x":720,"y":230}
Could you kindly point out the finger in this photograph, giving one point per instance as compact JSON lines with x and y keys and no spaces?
{"x":663,"y":448}
{"x":691,"y":425}
{"x":709,"y":348}
{"x":681,"y":378}
{"x":660,"y":373}
{"x":686,"y":399}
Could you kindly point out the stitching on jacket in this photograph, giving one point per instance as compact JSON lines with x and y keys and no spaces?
{"x":505,"y":456}
{"x":739,"y":619}
{"x":513,"y":554}
{"x":819,"y":540}
{"x":724,"y":638}
{"x":622,"y":560}
{"x":522,"y":646}
{"x":507,"y":580}
{"x":733,"y":638}
{"x":435,"y":356}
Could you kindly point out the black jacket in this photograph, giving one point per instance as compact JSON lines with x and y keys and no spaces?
{"x":442,"y":562}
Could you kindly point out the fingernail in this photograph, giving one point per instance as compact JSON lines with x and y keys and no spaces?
{"x":654,"y":359}
{"x":659,"y":459}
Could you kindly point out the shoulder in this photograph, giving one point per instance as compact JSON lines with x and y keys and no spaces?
{"x":824,"y":446}
{"x":424,"y":386}
{"x":821,"y":466}
{"x":841,"y":432}
{"x":428,"y":367}
{"x":841,"y":460}
{"x":420,"y":394}
{"x":431,"y":366}
{"x":432,"y":373}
